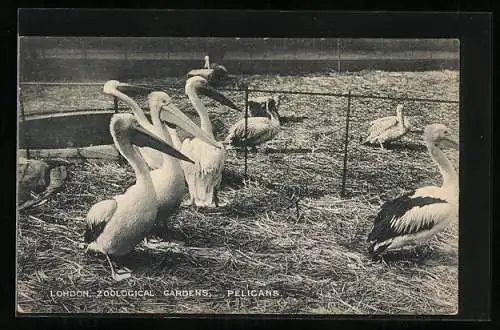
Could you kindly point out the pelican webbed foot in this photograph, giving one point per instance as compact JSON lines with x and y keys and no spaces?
{"x":120,"y":274}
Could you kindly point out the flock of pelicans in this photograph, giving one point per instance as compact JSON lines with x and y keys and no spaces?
{"x":163,"y":163}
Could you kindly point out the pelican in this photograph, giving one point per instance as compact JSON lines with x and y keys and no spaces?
{"x":43,"y":177}
{"x":387,"y":129}
{"x":259,"y":130}
{"x":257,"y":106}
{"x":115,"y":226}
{"x":205,"y":175}
{"x":153,"y":158}
{"x":168,"y":180}
{"x":214,"y":73}
{"x":219,"y":70}
{"x":415,"y":217}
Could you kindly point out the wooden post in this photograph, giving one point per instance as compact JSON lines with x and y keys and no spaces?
{"x":346,"y":143}
{"x":246,"y":132}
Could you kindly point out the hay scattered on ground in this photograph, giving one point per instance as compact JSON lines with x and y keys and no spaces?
{"x":285,"y":228}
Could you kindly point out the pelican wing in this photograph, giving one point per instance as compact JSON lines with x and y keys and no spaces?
{"x":97,"y":218}
{"x":259,"y":130}
{"x":206,"y":173}
{"x":380,"y":128}
{"x":409,"y":214}
{"x":381,"y":125}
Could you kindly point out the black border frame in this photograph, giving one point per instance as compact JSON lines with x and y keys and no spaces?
{"x":474,"y":32}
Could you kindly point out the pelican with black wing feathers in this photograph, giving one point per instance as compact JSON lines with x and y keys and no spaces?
{"x":212,"y":72}
{"x":414,"y":218}
{"x":115,"y":226}
{"x":205,"y":175}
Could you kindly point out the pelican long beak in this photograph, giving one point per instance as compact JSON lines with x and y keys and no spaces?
{"x":132,"y":89}
{"x":452,"y":140}
{"x":172,"y":115}
{"x":143,"y":138}
{"x":214,"y":94}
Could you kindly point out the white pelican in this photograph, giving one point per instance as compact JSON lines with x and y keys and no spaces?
{"x":168,"y":180}
{"x":414,"y":218}
{"x":42,"y":177}
{"x":205,"y":175}
{"x":153,"y":158}
{"x":259,"y":130}
{"x":387,"y":129}
{"x":115,"y":226}
{"x":257,"y":105}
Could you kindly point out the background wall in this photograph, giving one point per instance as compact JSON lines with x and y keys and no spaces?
{"x":94,"y":58}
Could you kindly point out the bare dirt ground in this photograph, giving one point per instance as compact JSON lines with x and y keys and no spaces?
{"x":287,"y":228}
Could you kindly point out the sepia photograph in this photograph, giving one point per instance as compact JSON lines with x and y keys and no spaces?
{"x":238,"y":175}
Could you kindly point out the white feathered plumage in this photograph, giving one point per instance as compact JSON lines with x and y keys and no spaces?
{"x":205,"y":175}
{"x":259,"y":130}
{"x":388,"y":129}
{"x":414,"y":218}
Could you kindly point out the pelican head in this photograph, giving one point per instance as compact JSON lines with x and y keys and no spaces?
{"x":437,"y":133}
{"x":125,"y":128}
{"x":158,"y":100}
{"x":161,"y":105}
{"x":201,"y":85}
{"x":111,"y":86}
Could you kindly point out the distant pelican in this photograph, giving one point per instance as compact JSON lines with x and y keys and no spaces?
{"x":153,"y":158}
{"x":205,"y":175}
{"x":115,"y":226}
{"x":415,"y":217}
{"x":259,"y":130}
{"x":257,"y":105}
{"x":213,"y":73}
{"x":387,"y":129}
{"x":219,"y":70}
{"x":43,"y":177}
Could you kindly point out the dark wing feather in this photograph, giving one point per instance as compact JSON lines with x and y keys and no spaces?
{"x":397,"y":208}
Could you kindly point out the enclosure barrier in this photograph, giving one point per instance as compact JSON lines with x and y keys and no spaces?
{"x":247,"y":91}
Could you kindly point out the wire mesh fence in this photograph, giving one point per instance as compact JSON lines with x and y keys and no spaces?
{"x":318,"y":146}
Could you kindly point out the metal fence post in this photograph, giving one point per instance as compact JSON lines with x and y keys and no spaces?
{"x":346,"y":143}
{"x":246,"y":132}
